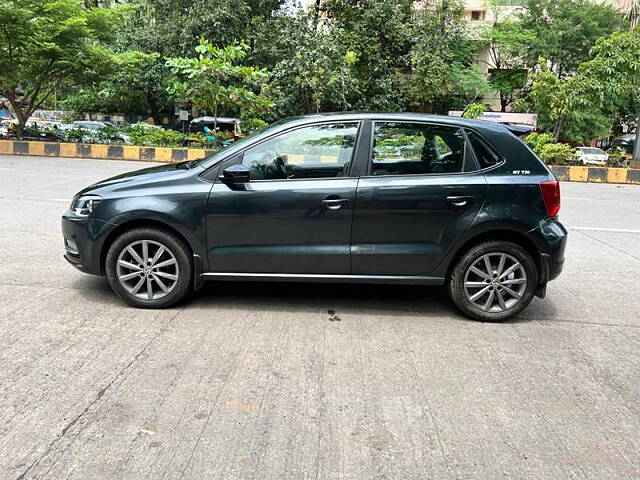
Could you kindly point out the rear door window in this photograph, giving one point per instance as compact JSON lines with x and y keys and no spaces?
{"x":401,"y":148}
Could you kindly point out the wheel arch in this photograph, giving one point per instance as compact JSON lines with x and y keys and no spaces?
{"x":503,"y":234}
{"x":137,"y":223}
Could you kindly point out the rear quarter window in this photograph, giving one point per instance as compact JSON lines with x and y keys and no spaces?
{"x":485,"y":155}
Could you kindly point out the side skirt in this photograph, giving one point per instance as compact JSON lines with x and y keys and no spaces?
{"x":312,"y":277}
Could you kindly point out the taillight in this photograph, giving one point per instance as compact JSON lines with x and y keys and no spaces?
{"x":551,"y":196}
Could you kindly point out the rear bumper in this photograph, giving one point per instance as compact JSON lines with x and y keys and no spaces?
{"x":554,"y":266}
{"x":552,"y":236}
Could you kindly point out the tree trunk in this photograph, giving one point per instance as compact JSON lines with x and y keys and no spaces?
{"x":504,"y":103}
{"x":152,"y":106}
{"x":316,"y":13}
{"x":557,"y":131}
{"x":22,"y":118}
{"x":20,"y":130}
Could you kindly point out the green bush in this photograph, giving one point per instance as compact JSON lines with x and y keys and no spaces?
{"x":616,"y":159}
{"x":106,"y":135}
{"x":557,"y":154}
{"x":148,"y":135}
{"x":538,"y":140}
{"x":32,"y":131}
{"x":75,"y":134}
{"x":552,"y":153}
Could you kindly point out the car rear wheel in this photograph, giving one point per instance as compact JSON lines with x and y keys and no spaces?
{"x":149,"y":268}
{"x":493,"y":281}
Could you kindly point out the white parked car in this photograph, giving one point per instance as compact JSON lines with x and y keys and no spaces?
{"x":93,"y":129}
{"x":591,"y":156}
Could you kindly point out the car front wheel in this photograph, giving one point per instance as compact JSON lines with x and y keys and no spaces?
{"x":149,"y":268}
{"x":493,"y":281}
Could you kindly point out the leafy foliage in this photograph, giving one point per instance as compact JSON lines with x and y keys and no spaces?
{"x":315,"y":73}
{"x":538,"y":140}
{"x":582,"y":107}
{"x":384,"y":55}
{"x":563,"y":32}
{"x":46,"y":43}
{"x":505,"y":42}
{"x":376,"y":39}
{"x":474,"y":110}
{"x":617,"y":159}
{"x":148,"y":135}
{"x":549,"y":151}
{"x":557,"y":154}
{"x":214,"y":79}
{"x":440,"y":58}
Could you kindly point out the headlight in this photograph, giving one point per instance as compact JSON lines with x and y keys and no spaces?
{"x":84,"y":205}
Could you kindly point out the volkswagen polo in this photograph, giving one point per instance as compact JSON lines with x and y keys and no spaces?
{"x":369,"y":198}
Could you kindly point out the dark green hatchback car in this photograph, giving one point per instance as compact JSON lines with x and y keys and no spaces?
{"x":377,"y":198}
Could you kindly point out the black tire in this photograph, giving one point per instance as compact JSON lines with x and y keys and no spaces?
{"x":175,"y":246}
{"x":456,"y":283}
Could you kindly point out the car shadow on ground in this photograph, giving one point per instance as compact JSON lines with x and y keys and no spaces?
{"x":339,"y":297}
{"x":334,"y":298}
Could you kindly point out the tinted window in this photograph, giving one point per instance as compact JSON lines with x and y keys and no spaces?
{"x":416,"y":148}
{"x":485,"y":155}
{"x":317,"y":151}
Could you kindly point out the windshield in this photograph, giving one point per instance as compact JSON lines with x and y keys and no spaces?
{"x":592,"y":151}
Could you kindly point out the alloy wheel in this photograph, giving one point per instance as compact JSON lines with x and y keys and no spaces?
{"x":147,"y":269}
{"x":495,"y":282}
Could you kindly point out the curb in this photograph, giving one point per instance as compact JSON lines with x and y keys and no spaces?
{"x":596,"y":174}
{"x":99,"y":151}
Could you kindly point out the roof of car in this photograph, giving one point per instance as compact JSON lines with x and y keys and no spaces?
{"x":407,"y":116}
{"x":629,"y":137}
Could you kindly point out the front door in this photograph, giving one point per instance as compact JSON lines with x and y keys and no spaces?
{"x":294,"y":215}
{"x":415,"y":200}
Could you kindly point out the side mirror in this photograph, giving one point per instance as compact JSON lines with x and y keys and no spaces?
{"x":238,"y":173}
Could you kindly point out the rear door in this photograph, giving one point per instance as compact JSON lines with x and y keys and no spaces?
{"x":418,"y":197}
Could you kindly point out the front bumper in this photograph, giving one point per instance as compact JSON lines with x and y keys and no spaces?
{"x":83,"y":240}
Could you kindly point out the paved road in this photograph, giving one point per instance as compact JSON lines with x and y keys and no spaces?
{"x":260,"y":381}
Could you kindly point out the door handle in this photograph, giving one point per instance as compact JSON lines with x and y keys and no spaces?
{"x":459,"y":200}
{"x":335,"y":203}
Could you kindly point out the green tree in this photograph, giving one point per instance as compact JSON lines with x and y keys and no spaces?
{"x":377,"y":33}
{"x":45,"y":43}
{"x":583,"y":106}
{"x":565,"y":31}
{"x":172,"y":27}
{"x":134,"y":84}
{"x":214,"y":79}
{"x":314,"y":72}
{"x":505,"y":42}
{"x":440,"y":58}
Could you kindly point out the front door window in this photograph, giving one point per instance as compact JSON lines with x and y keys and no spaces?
{"x":317,"y":151}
